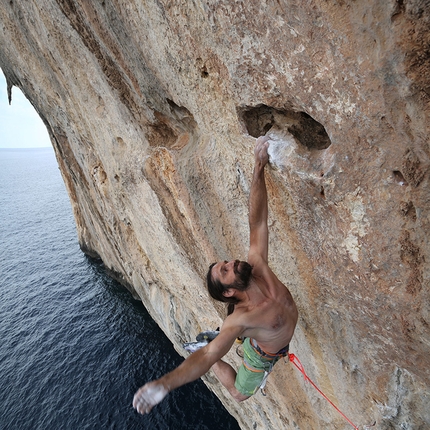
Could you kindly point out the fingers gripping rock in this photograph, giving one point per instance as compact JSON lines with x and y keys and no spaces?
{"x":260,"y":150}
{"x":148,"y":396}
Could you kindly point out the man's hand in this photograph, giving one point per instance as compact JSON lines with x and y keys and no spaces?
{"x":260,"y":150}
{"x":148,"y":396}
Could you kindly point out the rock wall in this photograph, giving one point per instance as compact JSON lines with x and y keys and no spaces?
{"x":153,"y":106}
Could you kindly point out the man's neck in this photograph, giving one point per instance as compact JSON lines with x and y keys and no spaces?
{"x":248,"y":296}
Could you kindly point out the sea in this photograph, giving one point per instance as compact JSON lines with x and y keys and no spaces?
{"x":74,"y":344}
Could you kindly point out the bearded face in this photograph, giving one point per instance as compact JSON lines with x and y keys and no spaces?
{"x":243,"y":272}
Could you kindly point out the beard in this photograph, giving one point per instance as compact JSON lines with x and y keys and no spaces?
{"x":243,"y":271}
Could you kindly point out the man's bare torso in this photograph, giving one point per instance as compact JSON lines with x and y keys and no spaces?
{"x":270,"y":315}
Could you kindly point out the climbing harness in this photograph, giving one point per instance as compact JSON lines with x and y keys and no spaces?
{"x":299,"y":366}
{"x":281,"y":353}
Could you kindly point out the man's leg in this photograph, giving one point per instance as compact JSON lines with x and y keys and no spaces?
{"x":227,"y":376}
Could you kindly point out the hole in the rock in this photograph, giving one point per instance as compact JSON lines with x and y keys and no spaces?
{"x":204,"y":72}
{"x":399,"y":178}
{"x":310,"y":133}
{"x":161,"y":132}
{"x":181,"y":113}
{"x":183,"y":119}
{"x":172,"y":128}
{"x":258,"y":120}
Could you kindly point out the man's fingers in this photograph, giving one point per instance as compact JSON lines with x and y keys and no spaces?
{"x":141,"y":401}
{"x":262,"y":144}
{"x":262,"y":139}
{"x":141,"y":405}
{"x":261,"y":148}
{"x":148,"y":396}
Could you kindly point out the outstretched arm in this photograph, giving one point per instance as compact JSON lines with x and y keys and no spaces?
{"x":258,"y":210}
{"x":196,"y":365}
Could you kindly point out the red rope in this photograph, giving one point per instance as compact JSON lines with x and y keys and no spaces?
{"x":299,"y":366}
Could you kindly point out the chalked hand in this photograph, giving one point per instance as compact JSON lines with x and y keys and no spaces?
{"x":148,"y":396}
{"x":260,"y":150}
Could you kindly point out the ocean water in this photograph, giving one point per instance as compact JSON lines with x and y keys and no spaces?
{"x":74,"y":344}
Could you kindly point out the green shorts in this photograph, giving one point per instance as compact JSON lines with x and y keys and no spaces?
{"x":251,"y":373}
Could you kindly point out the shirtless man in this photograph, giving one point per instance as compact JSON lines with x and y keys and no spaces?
{"x":264,"y":312}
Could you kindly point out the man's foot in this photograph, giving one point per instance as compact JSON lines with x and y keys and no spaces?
{"x":203,"y":339}
{"x":207,"y":335}
{"x":194,"y":346}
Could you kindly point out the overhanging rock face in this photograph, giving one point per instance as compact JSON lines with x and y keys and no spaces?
{"x":153,"y":107}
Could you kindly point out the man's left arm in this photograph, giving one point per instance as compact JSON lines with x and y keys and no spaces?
{"x":258,"y":207}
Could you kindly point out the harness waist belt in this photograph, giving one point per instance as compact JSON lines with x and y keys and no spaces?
{"x":281,"y":353}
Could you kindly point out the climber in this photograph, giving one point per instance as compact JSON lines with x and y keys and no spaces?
{"x":264,"y":312}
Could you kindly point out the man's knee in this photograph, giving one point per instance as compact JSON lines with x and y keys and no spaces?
{"x":238,"y":396}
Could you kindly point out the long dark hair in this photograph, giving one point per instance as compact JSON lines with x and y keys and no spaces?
{"x":216,"y":288}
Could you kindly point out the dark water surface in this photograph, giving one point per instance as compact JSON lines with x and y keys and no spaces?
{"x":74,"y":345}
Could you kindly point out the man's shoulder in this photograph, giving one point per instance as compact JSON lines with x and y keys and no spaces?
{"x":233,"y":324}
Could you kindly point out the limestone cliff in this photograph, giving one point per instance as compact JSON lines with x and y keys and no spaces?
{"x":152,"y":107}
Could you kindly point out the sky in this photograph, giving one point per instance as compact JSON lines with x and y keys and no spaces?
{"x":20,"y":125}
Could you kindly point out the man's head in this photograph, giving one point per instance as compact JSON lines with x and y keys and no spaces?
{"x":224,"y":276}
